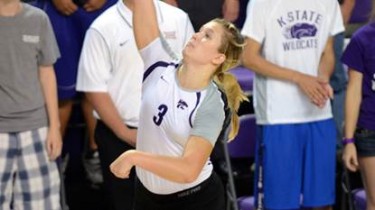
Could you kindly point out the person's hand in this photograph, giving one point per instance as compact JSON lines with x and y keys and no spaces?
{"x":231,"y":9}
{"x":349,"y":157}
{"x":171,"y":2}
{"x":65,"y":7}
{"x":314,"y":88}
{"x":54,"y":143}
{"x":92,"y":5}
{"x":328,"y":88}
{"x":122,"y":166}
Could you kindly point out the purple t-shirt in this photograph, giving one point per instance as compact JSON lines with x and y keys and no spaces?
{"x":360,"y":56}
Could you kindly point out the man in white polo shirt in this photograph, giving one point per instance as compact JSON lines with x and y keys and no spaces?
{"x":110,"y":73}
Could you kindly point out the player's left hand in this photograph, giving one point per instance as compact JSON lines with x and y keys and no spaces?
{"x":122,"y":165}
{"x":92,"y":5}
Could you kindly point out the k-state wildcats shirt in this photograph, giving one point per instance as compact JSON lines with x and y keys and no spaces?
{"x":293,"y":34}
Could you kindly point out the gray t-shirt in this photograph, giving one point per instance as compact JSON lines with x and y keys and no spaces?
{"x":27,"y":41}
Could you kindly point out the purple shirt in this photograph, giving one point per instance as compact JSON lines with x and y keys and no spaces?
{"x":360,"y":56}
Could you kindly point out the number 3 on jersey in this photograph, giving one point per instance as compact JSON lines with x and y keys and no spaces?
{"x":162,"y":111}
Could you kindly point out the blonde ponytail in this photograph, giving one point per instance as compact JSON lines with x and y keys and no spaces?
{"x":232,"y":46}
{"x":229,"y":85}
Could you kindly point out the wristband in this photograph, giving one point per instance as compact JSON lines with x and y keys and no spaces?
{"x":346,"y":141}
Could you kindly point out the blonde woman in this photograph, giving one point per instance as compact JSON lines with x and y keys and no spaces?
{"x":186,"y":105}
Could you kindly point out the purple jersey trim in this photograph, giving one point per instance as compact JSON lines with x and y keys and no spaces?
{"x":196,"y":105}
{"x":154,"y":66}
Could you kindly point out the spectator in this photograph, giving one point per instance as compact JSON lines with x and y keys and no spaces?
{"x":359,"y":141}
{"x":290,"y":48}
{"x":30,"y":138}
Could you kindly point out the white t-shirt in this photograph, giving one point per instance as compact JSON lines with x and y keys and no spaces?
{"x":293,"y":34}
{"x":110,"y":61}
{"x":170,"y":114}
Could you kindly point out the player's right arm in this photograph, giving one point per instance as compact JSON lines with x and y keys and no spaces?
{"x":145,"y":27}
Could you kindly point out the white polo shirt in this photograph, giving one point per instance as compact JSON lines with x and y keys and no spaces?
{"x":110,"y":61}
{"x":293,"y":34}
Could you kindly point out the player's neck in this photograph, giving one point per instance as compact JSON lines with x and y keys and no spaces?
{"x":192,"y":79}
{"x":10,"y":8}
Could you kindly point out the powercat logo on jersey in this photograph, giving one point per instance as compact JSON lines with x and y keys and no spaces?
{"x":182,"y":104}
{"x":300,"y":29}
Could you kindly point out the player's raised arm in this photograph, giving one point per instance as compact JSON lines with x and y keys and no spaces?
{"x":145,"y":22}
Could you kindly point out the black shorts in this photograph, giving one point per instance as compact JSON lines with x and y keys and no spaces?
{"x":209,"y":195}
{"x":365,"y":142}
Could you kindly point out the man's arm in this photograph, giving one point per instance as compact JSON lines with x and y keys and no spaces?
{"x":327,"y":61}
{"x":310,"y":85}
{"x":231,"y":10}
{"x":47,"y":80}
{"x":108,"y":113}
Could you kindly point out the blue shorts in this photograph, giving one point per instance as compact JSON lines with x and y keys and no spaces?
{"x":70,"y":32}
{"x":296,"y":165}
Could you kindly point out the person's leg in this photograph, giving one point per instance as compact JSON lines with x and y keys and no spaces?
{"x":91,"y":161}
{"x":8,"y":148}
{"x":90,"y":120}
{"x":367,"y":165}
{"x":279,"y":166}
{"x":37,"y":181}
{"x":365,"y":144}
{"x":120,"y":191}
{"x":65,"y":110}
{"x":319,"y":165}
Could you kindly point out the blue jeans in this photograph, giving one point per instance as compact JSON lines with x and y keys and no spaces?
{"x":338,"y":82}
{"x":338,"y":104}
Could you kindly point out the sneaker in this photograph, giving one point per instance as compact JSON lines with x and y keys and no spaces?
{"x":91,"y":164}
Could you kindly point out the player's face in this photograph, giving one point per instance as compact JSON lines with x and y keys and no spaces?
{"x":204,"y":45}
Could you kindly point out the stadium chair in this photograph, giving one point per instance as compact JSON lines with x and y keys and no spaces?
{"x":243,"y":146}
{"x":247,"y":123}
{"x":246,"y":203}
{"x":245,"y":78}
{"x":359,"y":197}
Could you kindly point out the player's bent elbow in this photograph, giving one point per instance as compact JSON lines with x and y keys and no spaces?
{"x":190,"y":177}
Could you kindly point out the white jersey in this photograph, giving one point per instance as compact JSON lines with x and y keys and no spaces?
{"x":170,"y":114}
{"x":110,"y":61}
{"x":293,"y":34}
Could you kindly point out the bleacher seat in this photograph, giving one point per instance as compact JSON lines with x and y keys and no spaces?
{"x":359,"y":197}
